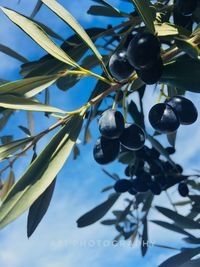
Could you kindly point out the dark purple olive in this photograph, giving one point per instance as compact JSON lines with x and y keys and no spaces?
{"x":133,"y":137}
{"x":111,"y":123}
{"x":164,"y":118}
{"x":119,"y":66}
{"x":184,"y":108}
{"x":106,"y":150}
{"x":143,"y":50}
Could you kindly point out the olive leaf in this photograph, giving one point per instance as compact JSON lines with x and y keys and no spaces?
{"x":147,"y":13}
{"x":41,"y":172}
{"x":72,"y":22}
{"x":39,"y":36}
{"x":98,"y":212}
{"x":39,"y":208}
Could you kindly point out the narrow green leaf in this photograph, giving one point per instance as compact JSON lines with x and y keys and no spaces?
{"x":10,"y":148}
{"x":22,"y":103}
{"x":98,"y":212}
{"x":179,"y":220}
{"x":183,"y":73}
{"x":108,"y":222}
{"x":29,"y":86}
{"x":188,"y":47}
{"x":36,"y":9}
{"x":166,"y":29}
{"x":41,"y":172}
{"x":25,"y":130}
{"x":8,"y":184}
{"x":10,"y":52}
{"x":104,"y":11}
{"x":39,"y":208}
{"x":39,"y":36}
{"x":72,"y":22}
{"x":6,"y":114}
{"x":181,"y":258}
{"x":147,"y":13}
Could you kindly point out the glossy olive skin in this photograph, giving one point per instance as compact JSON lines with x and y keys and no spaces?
{"x":133,"y":137}
{"x":122,"y":185}
{"x":163,"y":118}
{"x":119,"y":66}
{"x":186,"y":7}
{"x":153,"y":74}
{"x":155,"y":188}
{"x":111,"y":123}
{"x":183,"y":189}
{"x":185,"y":109}
{"x":106,"y":150}
{"x":143,"y":50}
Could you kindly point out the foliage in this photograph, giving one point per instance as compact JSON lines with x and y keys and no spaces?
{"x":65,"y":66}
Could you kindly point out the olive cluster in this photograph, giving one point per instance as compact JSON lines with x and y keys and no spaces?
{"x":183,"y":11}
{"x":142,"y":55}
{"x":114,"y":134}
{"x":167,"y":117}
{"x":150,"y":172}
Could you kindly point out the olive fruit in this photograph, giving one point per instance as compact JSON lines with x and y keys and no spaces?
{"x":106,"y":150}
{"x":170,"y":150}
{"x":122,"y":185}
{"x":111,"y":123}
{"x":151,"y":75}
{"x":143,"y":50}
{"x":132,"y":191}
{"x":164,"y":118}
{"x":184,"y":108}
{"x":119,"y":66}
{"x":186,"y":7}
{"x":180,"y":20}
{"x":142,"y":181}
{"x":139,"y":185}
{"x":133,"y":137}
{"x":183,"y":189}
{"x":155,"y":188}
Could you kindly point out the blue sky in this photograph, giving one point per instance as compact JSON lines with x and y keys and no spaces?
{"x":57,"y":241}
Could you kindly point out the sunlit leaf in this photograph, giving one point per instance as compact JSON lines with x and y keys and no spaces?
{"x":10,"y":148}
{"x":22,"y":103}
{"x":8,"y":184}
{"x":72,"y":22}
{"x":29,"y":86}
{"x":39,"y":36}
{"x":41,"y":172}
